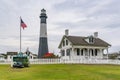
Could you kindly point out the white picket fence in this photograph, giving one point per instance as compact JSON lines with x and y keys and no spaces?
{"x":5,"y":62}
{"x":69,"y":61}
{"x":74,"y":61}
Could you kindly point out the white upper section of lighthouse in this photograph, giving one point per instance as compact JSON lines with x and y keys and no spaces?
{"x":43,"y":30}
{"x":43,"y":23}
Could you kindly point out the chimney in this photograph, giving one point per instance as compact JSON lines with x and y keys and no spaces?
{"x":95,"y":34}
{"x":66,"y":32}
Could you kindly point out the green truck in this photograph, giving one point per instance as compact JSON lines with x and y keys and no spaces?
{"x":20,"y":61}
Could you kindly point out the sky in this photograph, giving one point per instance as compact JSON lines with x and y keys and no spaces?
{"x":81,"y":17}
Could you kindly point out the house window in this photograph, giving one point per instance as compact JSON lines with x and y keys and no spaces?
{"x":63,"y":43}
{"x":78,"y":51}
{"x":92,"y":54}
{"x":82,"y":52}
{"x":63,"y":53}
{"x":66,"y":42}
{"x":91,"y":51}
{"x":95,"y":52}
{"x":10,"y":57}
{"x":31,"y":57}
{"x":68,"y":52}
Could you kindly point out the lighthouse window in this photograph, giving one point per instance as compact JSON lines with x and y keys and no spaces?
{"x":43,"y":20}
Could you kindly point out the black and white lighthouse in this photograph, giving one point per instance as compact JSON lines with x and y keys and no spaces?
{"x":43,"y":43}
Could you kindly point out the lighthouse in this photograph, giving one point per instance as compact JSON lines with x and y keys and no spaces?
{"x":43,"y":42}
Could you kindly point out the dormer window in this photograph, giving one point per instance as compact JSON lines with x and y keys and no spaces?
{"x":91,"y":39}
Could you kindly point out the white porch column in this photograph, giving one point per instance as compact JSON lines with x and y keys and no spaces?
{"x":65,"y":52}
{"x":107,"y":54}
{"x":93,"y":53}
{"x":88,"y":53}
{"x":84,"y":53}
{"x":101,"y":53}
{"x":72,"y":53}
{"x":80,"y":52}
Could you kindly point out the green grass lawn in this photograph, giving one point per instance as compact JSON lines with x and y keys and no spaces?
{"x":61,"y":72}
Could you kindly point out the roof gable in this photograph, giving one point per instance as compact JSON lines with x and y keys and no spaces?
{"x":62,"y":40}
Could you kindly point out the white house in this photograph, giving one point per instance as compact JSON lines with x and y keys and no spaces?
{"x":2,"y":57}
{"x":10,"y":55}
{"x":28,"y":53}
{"x":77,"y":47}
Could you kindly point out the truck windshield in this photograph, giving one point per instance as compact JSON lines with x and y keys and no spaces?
{"x":20,"y":59}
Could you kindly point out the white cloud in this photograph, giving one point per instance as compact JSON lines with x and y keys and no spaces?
{"x":82,"y":17}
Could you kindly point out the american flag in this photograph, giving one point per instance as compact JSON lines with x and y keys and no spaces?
{"x":22,"y":24}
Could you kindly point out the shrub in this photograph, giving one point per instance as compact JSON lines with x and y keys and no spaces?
{"x":50,"y":55}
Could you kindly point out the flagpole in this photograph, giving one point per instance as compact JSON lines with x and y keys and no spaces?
{"x":22,"y":25}
{"x":20,"y":34}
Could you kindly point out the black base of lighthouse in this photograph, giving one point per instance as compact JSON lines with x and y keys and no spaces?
{"x":43,"y":47}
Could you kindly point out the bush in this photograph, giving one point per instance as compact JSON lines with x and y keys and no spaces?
{"x":50,"y":55}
